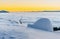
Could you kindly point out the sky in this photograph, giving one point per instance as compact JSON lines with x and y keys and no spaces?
{"x":29,"y":5}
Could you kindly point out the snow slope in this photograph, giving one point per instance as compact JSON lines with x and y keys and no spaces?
{"x":41,"y":34}
{"x":12,"y":32}
{"x":24,"y":32}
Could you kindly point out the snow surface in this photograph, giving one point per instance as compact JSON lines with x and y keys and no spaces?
{"x":8,"y":30}
{"x":41,"y":34}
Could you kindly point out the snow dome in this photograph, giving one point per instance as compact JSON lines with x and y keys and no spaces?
{"x":43,"y":24}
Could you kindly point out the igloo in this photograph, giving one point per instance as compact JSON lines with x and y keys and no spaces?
{"x":43,"y":24}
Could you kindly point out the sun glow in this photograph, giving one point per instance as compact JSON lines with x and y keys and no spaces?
{"x":29,"y":5}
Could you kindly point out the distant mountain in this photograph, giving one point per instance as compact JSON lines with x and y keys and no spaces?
{"x":52,"y":11}
{"x":3,"y":11}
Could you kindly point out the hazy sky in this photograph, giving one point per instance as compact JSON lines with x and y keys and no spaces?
{"x":24,"y":5}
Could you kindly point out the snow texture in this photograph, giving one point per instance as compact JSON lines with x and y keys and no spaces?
{"x":14,"y":25}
